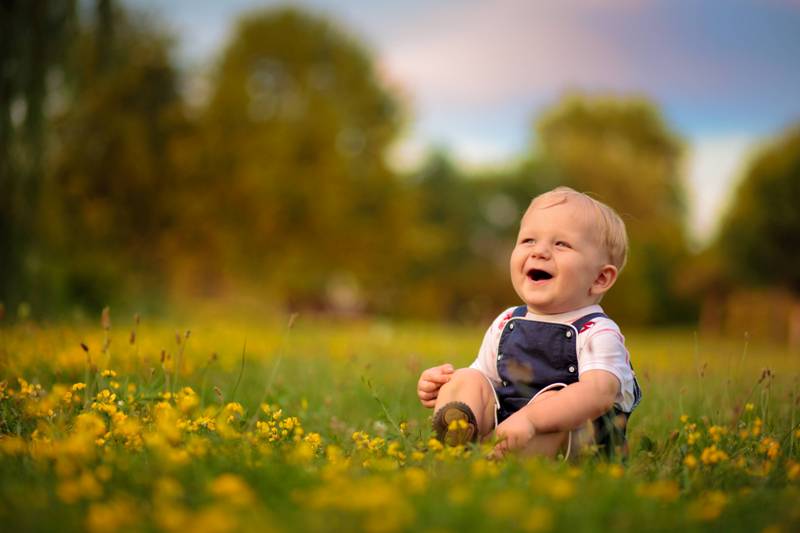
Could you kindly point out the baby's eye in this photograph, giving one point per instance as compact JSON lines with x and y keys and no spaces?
{"x":527,"y":240}
{"x":563,"y":244}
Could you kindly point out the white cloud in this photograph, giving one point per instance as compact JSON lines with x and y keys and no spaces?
{"x":488,"y":52}
{"x":715,"y":164}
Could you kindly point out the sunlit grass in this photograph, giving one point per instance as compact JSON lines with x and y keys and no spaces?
{"x":238,"y":424}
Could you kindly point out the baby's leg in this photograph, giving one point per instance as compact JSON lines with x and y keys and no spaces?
{"x":470,"y":387}
{"x":548,"y":444}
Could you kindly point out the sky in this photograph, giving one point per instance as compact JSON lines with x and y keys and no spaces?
{"x":475,"y":73}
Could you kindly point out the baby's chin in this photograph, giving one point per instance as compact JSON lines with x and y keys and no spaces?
{"x":557,"y":308}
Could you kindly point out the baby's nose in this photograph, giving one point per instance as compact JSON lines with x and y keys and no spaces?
{"x":540,"y":249}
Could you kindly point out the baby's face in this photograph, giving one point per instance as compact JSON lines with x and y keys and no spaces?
{"x":558,"y":259}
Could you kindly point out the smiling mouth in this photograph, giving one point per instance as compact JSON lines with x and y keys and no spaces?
{"x":535,"y":274}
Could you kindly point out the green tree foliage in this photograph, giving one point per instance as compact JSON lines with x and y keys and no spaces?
{"x":621,"y":151}
{"x":275,"y":185}
{"x":109,"y":200}
{"x":465,"y":232}
{"x":296,"y":129}
{"x":760,"y":236}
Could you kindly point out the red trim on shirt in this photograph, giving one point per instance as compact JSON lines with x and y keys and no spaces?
{"x":505,"y":319}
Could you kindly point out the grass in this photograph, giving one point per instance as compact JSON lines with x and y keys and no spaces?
{"x":230,"y":425}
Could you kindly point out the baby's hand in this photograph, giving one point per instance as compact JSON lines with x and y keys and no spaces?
{"x":514,"y":433}
{"x":431,"y":381}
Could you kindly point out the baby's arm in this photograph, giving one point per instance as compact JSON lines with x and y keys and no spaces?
{"x":430,"y":381}
{"x":560,"y":411}
{"x":575,"y":404}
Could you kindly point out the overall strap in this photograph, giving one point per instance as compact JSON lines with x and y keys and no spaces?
{"x":578,"y":324}
{"x":520,"y":311}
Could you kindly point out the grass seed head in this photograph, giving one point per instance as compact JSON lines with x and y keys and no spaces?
{"x":105,"y":318}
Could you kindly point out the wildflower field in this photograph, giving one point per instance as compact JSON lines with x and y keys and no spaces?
{"x":217,"y":424}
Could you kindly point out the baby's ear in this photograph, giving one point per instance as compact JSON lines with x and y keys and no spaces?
{"x":605,"y":279}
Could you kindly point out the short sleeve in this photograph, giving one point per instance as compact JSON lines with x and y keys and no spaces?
{"x":486,"y":360}
{"x":603,"y":348}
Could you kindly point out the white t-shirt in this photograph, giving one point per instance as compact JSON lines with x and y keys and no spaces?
{"x":600,"y":346}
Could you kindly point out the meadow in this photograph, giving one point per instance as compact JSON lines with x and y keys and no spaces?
{"x":221,"y":423}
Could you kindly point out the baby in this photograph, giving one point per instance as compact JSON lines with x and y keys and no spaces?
{"x":554,"y":370}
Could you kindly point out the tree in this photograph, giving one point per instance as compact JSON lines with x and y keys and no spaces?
{"x":621,"y":151}
{"x":760,"y":235}
{"x":296,"y":129}
{"x":108,"y":201}
{"x":33,"y":37}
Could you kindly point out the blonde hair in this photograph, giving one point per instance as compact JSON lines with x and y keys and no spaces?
{"x":613,"y":237}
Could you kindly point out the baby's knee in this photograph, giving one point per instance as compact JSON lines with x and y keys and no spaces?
{"x":464,"y":378}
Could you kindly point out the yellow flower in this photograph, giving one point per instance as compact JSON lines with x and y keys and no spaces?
{"x":233,"y":489}
{"x":506,"y":504}
{"x":792,"y":470}
{"x":361,"y":439}
{"x":537,"y":518}
{"x":684,"y":419}
{"x":561,"y":489}
{"x":188,"y":402}
{"x":749,"y":407}
{"x":708,"y":506}
{"x":108,"y":373}
{"x":690,"y":461}
{"x":167,"y":489}
{"x":376,"y":444}
{"x":435,"y":445}
{"x":458,"y":495}
{"x":12,"y":445}
{"x":234,"y":408}
{"x":395,"y":450}
{"x":712,"y":455}
{"x":68,"y":491}
{"x":484,"y":468}
{"x":314,"y":440}
{"x":115,"y":515}
{"x":415,"y":479}
{"x":770,"y":447}
{"x":213,"y":519}
{"x":665,"y":490}
{"x":90,"y":424}
{"x":458,"y":424}
{"x":28,"y":389}
{"x":715,"y":432}
{"x":301,"y":453}
{"x":762,"y":469}
{"x":615,"y":471}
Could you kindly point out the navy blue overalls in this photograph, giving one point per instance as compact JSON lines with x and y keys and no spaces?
{"x":532,"y":355}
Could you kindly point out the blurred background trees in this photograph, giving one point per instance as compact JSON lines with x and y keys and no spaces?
{"x":622,"y":152}
{"x":760,"y":237}
{"x":34,"y":37}
{"x":119,"y":186}
{"x":295,"y":131}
